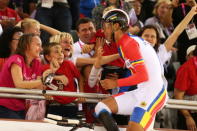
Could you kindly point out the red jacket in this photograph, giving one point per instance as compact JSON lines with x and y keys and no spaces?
{"x":186,"y":79}
{"x":9,"y":14}
{"x":68,"y":69}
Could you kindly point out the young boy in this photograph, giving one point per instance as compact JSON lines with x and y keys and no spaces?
{"x":65,"y":74}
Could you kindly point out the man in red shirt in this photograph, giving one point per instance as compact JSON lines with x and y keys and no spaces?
{"x":8,"y":16}
{"x":186,"y":88}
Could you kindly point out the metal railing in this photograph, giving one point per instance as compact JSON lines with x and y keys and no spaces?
{"x":90,"y":97}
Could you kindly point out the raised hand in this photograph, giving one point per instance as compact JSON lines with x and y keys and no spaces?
{"x":100,"y":41}
{"x":87,"y":48}
{"x":97,"y":63}
{"x":54,"y":65}
{"x":62,"y":78}
{"x":99,"y":52}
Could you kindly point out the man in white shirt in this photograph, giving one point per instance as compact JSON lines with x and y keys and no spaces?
{"x":85,"y":31}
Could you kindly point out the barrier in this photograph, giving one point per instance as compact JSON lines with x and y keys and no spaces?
{"x":90,"y":97}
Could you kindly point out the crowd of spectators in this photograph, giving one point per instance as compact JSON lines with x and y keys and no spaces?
{"x":67,"y":38}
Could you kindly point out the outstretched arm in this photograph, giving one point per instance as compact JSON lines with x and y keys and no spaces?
{"x":105,"y":59}
{"x":96,"y":69}
{"x":50,"y":30}
{"x":179,"y":29}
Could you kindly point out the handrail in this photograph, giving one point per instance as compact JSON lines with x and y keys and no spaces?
{"x":52,"y":92}
{"x":90,"y":97}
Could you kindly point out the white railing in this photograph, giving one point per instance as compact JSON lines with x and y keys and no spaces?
{"x":90,"y":97}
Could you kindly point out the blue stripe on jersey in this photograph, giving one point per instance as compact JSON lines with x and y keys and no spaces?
{"x":156,"y":99}
{"x":137,"y":114}
{"x":120,"y":53}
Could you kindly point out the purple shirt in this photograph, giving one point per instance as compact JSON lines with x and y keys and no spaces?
{"x":29,"y":73}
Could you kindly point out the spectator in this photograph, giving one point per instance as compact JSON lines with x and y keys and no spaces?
{"x":21,"y":70}
{"x":86,"y":7}
{"x":23,"y":7}
{"x":85,"y":31}
{"x":8,"y":16}
{"x":185,"y":40}
{"x":55,"y":14}
{"x":175,"y":3}
{"x":29,"y":25}
{"x":147,"y":9}
{"x":65,"y":74}
{"x":29,"y":6}
{"x":8,"y":43}
{"x":151,"y":34}
{"x":186,"y":88}
{"x":136,"y":5}
{"x":189,"y":52}
{"x":75,"y":11}
{"x":161,"y":19}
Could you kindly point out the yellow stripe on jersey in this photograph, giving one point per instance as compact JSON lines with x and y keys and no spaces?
{"x":157,"y":102}
{"x":144,"y":116}
{"x":145,"y":119}
{"x":137,"y":62}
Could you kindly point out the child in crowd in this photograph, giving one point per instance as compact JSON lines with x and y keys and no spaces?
{"x":21,"y":70}
{"x":66,"y":72}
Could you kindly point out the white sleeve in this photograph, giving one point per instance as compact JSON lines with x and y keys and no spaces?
{"x":163,"y":54}
{"x":94,"y":76}
{"x":1,"y":30}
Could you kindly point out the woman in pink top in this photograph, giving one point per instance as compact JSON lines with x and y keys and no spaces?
{"x":21,"y":70}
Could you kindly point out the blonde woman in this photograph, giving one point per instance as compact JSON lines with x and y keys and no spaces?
{"x":66,"y":42}
{"x":162,"y":18}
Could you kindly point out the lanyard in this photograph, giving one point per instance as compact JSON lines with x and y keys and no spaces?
{"x":80,"y":44}
{"x":183,"y":9}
